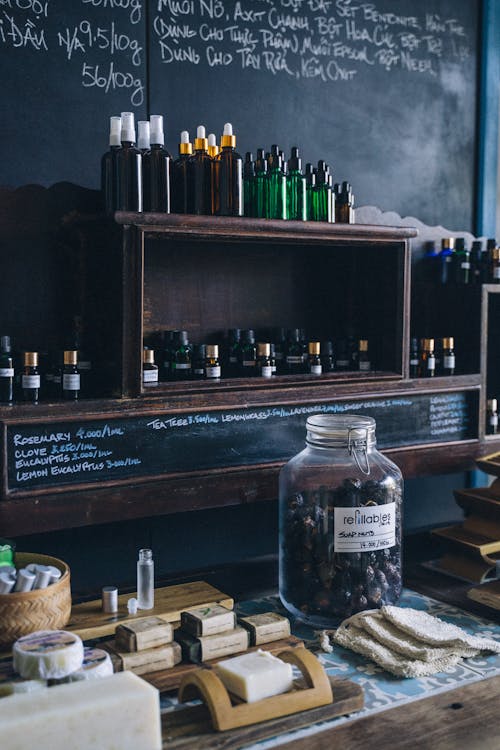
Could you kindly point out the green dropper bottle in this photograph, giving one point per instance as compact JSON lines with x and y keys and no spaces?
{"x":261,"y":185}
{"x":324,"y":192}
{"x":249,"y":185}
{"x":277,"y":186}
{"x":312,"y":195}
{"x":296,"y":188}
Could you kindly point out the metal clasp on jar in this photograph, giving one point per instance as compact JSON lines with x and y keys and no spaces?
{"x":357,"y":443}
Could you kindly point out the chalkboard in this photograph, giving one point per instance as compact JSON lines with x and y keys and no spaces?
{"x":385,"y":91}
{"x":99,"y":450}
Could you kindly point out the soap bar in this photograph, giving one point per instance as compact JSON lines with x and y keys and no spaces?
{"x":118,"y":711}
{"x":256,"y":675}
{"x":212,"y":646}
{"x":47,"y":654}
{"x":145,"y":632}
{"x":266,"y":627}
{"x":208,"y":620}
{"x":96,"y":664}
{"x":10,"y":683}
{"x":149,"y":660}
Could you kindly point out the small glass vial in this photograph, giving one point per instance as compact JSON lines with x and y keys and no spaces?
{"x":247,"y":354}
{"x":6,"y":371}
{"x":149,"y":369}
{"x":30,"y":378}
{"x":414,"y":358}
{"x":199,"y":356}
{"x":181,"y":360}
{"x":448,"y":356}
{"x":428,"y":358}
{"x":340,"y":523}
{"x":295,"y":354}
{"x":70,"y":376}
{"x":446,"y":258}
{"x":145,"y":580}
{"x":364,"y":364}
{"x":264,"y":361}
{"x":314,"y":361}
{"x":212,"y":364}
{"x":327,"y":356}
{"x":492,"y":417}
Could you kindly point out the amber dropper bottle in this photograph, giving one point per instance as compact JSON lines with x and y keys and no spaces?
{"x":199,"y":176}
{"x":180,"y":182}
{"x":230,"y":175}
{"x":156,"y":168}
{"x":213,"y":152}
{"x":129,"y":163}
{"x":109,"y":170}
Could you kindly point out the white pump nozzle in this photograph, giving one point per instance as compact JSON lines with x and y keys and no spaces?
{"x":157,"y":135}
{"x":228,"y":129}
{"x":200,"y":131}
{"x":212,"y":141}
{"x":184,"y":136}
{"x":115,"y":126}
{"x":128,"y":127}
{"x":143,"y":139}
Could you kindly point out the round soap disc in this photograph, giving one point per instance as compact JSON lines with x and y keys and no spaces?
{"x":96,"y":663}
{"x":47,"y":654}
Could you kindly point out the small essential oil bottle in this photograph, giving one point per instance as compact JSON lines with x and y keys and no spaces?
{"x":249,"y":185}
{"x":213,"y":149}
{"x":30,"y":378}
{"x":446,"y":256}
{"x":364,"y":363}
{"x":6,"y":371}
{"x":477,"y":256}
{"x":492,"y":417}
{"x":200,"y":176}
{"x":324,"y":192}
{"x":180,"y":182}
{"x":428,"y":359}
{"x":296,"y":195}
{"x":261,"y":195}
{"x":181,"y":361}
{"x":149,"y":368}
{"x":276,"y":208}
{"x":312,"y":196}
{"x":314,"y":361}
{"x":230,"y":165}
{"x":264,"y":362}
{"x":414,"y":358}
{"x":213,"y":152}
{"x":295,"y":354}
{"x":462,"y":262}
{"x":495,"y":265}
{"x":129,"y":165}
{"x":231,"y":369}
{"x":212,"y":363}
{"x":156,"y":170}
{"x":272,"y":357}
{"x":278,"y":336}
{"x":448,"y":357}
{"x":327,"y":356}
{"x":247,"y":354}
{"x":70,"y":376}
{"x":109,"y":169}
{"x":343,"y":363}
{"x":143,"y":137}
{"x":199,"y":355}
{"x":344,"y":204}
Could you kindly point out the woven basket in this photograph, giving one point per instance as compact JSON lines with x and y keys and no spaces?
{"x":43,"y":609}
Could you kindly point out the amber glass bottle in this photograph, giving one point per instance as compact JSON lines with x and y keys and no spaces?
{"x":30,"y":378}
{"x":180,"y":183}
{"x":230,"y":171}
{"x":200,"y":176}
{"x":109,"y":169}
{"x":129,"y":167}
{"x":156,"y":170}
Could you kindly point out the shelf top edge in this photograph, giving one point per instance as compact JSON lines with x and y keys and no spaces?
{"x":249,"y":227}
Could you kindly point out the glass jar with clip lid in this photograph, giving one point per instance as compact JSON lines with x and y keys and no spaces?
{"x":340,"y":523}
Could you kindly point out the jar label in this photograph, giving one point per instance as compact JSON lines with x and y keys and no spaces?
{"x":71,"y":382}
{"x":182,"y":365}
{"x":342,"y":363}
{"x":30,"y":381}
{"x":365,"y":529}
{"x":150,"y":376}
{"x":431,"y":363}
{"x":267,"y":371}
{"x":6,"y":372}
{"x":496,"y":272}
{"x":494,"y":420}
{"x":294,"y":360}
{"x":316,"y":369}
{"x":364,"y":366}
{"x":248,"y":363}
{"x":449,"y":361}
{"x":414,"y":362}
{"x":213,"y":372}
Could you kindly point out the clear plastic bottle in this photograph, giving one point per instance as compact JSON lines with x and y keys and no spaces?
{"x":145,"y":580}
{"x":340,"y":523}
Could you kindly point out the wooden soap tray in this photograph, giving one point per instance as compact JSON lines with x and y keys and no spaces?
{"x":226,"y":712}
{"x":487,"y":594}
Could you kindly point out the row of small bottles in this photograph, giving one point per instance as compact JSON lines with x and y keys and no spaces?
{"x":212,"y":179}
{"x":27,"y":382}
{"x":427,"y":360}
{"x":458,"y":264}
{"x":242,"y":356}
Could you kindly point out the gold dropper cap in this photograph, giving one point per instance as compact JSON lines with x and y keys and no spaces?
{"x":70,"y":357}
{"x":212,"y":351}
{"x":363,"y":345}
{"x":428,"y":345}
{"x":228,"y":140}
{"x":213,"y":151}
{"x":314,"y":347}
{"x":30,"y":359}
{"x":263,"y":350}
{"x":448,"y":243}
{"x":448,"y":342}
{"x":185,"y":148}
{"x":148,"y":356}
{"x":495,"y":253}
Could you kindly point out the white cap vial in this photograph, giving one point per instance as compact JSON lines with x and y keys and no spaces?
{"x":132,"y":606}
{"x":200,"y":131}
{"x":42,"y":576}
{"x":212,"y":140}
{"x":115,"y":127}
{"x":109,"y":599}
{"x":143,"y":141}
{"x":228,"y":129}
{"x":25,"y":580}
{"x":185,"y":136}
{"x":7,"y":582}
{"x":128,"y":127}
{"x":157,"y":135}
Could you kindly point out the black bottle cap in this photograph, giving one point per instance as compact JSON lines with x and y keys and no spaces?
{"x":294,"y":162}
{"x":261,"y":153}
{"x":460,"y":243}
{"x":477,"y":246}
{"x":327,"y":348}
{"x":275,"y":150}
{"x":199,"y":351}
{"x":295,"y":334}
{"x":248,"y":156}
{"x":249,"y":165}
{"x":5,"y":344}
{"x":491,"y":243}
{"x":414,"y":345}
{"x":248,"y":336}
{"x":182,"y":338}
{"x":234,"y":334}
{"x":278,"y":334}
{"x":283,"y":163}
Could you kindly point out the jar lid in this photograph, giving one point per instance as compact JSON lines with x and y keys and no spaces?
{"x":340,"y":429}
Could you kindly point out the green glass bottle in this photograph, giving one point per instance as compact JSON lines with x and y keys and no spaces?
{"x":312,"y":196}
{"x":277,"y":186}
{"x":324,"y":192}
{"x":261,"y":185}
{"x":462,"y":262}
{"x":249,"y":185}
{"x":296,"y":188}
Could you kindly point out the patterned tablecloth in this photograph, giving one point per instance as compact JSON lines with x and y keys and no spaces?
{"x":381,"y":689}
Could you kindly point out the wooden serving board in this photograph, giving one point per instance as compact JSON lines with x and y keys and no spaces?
{"x":89,"y":621}
{"x":190,"y":727}
{"x":488,"y":594}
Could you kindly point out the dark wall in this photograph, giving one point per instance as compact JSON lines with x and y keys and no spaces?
{"x":384,"y":91}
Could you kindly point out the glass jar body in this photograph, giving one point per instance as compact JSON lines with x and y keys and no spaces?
{"x":340,"y":548}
